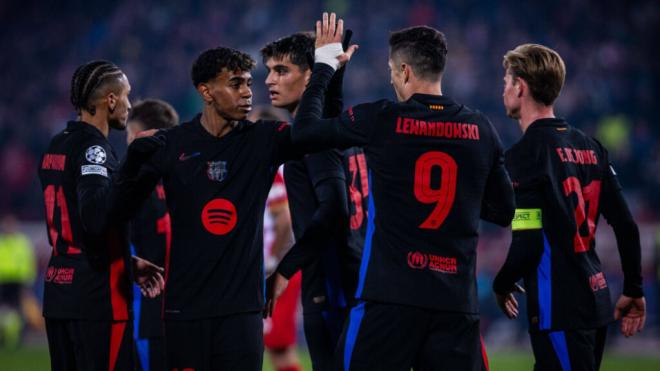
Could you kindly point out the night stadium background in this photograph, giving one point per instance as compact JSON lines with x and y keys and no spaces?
{"x":611,"y":92}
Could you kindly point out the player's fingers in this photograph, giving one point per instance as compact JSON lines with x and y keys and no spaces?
{"x":324,"y":32}
{"x":346,"y":56}
{"x":340,"y":30}
{"x":625,"y":327}
{"x":634,"y":326}
{"x":318,"y":32}
{"x":642,"y":322}
{"x":513,"y":300}
{"x":332,"y":26}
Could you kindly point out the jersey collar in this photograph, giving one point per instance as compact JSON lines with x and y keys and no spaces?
{"x":548,"y":122}
{"x":88,"y":128}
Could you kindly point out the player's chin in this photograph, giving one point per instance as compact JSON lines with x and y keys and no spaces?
{"x":118,"y":124}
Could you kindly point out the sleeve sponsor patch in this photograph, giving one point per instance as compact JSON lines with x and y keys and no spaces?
{"x":96,"y":155}
{"x":94,"y":170}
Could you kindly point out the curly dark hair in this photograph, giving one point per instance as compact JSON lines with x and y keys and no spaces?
{"x":423,"y":48}
{"x":212,"y":61}
{"x":298,"y":47}
{"x":89,"y":79}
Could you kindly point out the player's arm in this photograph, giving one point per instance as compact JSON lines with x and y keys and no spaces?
{"x":498,"y":204}
{"x":330,"y":217}
{"x":138,"y":174}
{"x":630,"y":308}
{"x":526,"y":246}
{"x":352,"y":128}
{"x":93,"y":189}
{"x":616,"y":212}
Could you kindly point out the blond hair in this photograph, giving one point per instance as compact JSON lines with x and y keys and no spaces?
{"x":541,"y":67}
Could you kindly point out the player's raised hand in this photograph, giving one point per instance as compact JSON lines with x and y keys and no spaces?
{"x":329,"y":34}
{"x":508,"y":303}
{"x":632,"y":313}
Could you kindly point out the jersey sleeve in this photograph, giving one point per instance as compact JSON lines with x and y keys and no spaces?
{"x":498,"y":203}
{"x":324,"y":165}
{"x":133,"y":186}
{"x":328,"y":221}
{"x":526,"y":249}
{"x":93,"y":170}
{"x":353,"y":127}
{"x":615,"y":210}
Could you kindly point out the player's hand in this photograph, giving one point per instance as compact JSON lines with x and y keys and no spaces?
{"x":632,"y":313}
{"x":330,"y":31}
{"x":148,"y":276}
{"x":275,"y":286}
{"x":508,"y":303}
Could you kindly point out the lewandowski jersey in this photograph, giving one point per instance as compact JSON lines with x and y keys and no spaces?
{"x":216,"y":195}
{"x":435,"y":166}
{"x":87,"y":274}
{"x":151,"y":237}
{"x":563,"y":182}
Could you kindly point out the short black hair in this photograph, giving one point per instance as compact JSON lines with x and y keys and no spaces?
{"x":299,"y":47}
{"x":423,"y":48}
{"x":88,"y":79}
{"x":154,"y":114}
{"x":212,"y":61}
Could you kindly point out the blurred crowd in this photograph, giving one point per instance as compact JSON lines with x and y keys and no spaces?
{"x":610,"y":92}
{"x":613,"y":74}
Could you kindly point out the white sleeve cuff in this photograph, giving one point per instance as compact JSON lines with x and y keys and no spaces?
{"x":328,"y":54}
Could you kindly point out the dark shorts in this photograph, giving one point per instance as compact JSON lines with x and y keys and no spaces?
{"x":322,"y":332}
{"x":150,"y":354}
{"x":76,"y":344}
{"x":233,"y":342}
{"x":574,"y":350}
{"x":397,"y":337}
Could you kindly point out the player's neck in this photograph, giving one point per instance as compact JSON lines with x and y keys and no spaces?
{"x":293,"y":109}
{"x":532,"y":112}
{"x":428,"y":88}
{"x":98,"y":121}
{"x":215,"y":124}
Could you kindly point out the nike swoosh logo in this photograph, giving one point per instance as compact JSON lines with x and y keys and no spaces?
{"x":184,"y":157}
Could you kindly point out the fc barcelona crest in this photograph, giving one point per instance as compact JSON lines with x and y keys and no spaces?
{"x":217,"y":170}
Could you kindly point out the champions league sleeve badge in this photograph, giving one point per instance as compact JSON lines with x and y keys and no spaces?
{"x":95,"y":155}
{"x":217,"y":170}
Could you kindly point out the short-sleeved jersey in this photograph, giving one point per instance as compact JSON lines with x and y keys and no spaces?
{"x":216,"y":195}
{"x":87,"y":274}
{"x":322,"y":285}
{"x":435,"y":166}
{"x":151,"y":235}
{"x":561,"y":175}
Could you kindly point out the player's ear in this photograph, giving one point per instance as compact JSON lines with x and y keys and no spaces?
{"x":308,"y":75}
{"x":521,"y":87}
{"x":111,"y":100}
{"x":205,"y":92}
{"x":406,"y":71}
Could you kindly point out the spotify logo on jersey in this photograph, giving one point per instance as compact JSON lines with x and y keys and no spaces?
{"x":219,"y":216}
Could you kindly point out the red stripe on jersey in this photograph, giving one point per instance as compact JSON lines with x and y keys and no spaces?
{"x":163,"y":225}
{"x":483,"y":353}
{"x":117,"y":272}
{"x":116,"y":335}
